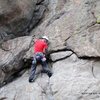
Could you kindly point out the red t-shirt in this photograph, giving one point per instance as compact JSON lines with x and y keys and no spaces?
{"x":40,"y":46}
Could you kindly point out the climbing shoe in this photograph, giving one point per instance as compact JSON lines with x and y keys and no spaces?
{"x":49,"y":74}
{"x":31,"y":80}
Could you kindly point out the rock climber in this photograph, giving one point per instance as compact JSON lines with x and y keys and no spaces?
{"x":40,"y":50}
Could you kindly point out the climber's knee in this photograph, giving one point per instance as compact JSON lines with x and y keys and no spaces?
{"x":43,"y":59}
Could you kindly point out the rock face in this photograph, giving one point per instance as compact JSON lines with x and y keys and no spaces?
{"x":73,"y":28}
{"x":11,"y":56}
{"x":86,"y":44}
{"x":23,"y":90}
{"x":17,"y":17}
{"x":60,"y":55}
{"x":73,"y":79}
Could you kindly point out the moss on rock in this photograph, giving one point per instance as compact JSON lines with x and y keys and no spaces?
{"x":98,"y":19}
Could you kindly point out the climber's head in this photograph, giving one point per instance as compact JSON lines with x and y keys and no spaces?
{"x":45,"y":38}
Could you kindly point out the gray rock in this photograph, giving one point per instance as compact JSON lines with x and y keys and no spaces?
{"x":73,"y":21}
{"x":29,"y":53}
{"x":97,"y":12}
{"x":60,"y":55}
{"x":78,"y":27}
{"x":53,"y":13}
{"x":74,"y":80}
{"x":12,"y":53}
{"x":73,"y":24}
{"x":68,"y":23}
{"x":23,"y":90}
{"x":19,"y":17}
{"x":86,"y":43}
{"x":96,"y":69}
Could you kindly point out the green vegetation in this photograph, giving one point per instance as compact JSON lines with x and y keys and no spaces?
{"x":98,"y":19}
